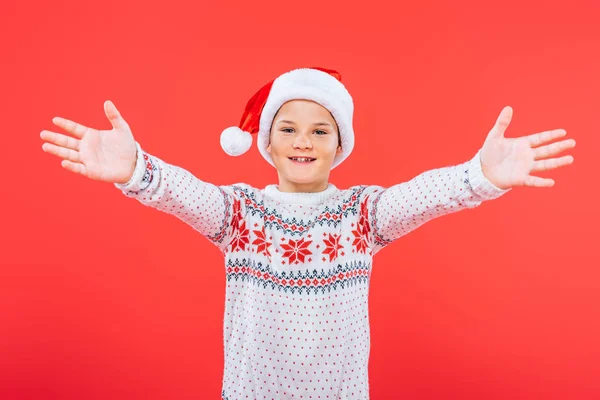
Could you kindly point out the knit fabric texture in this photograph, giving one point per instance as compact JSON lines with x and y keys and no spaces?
{"x":298,"y":267}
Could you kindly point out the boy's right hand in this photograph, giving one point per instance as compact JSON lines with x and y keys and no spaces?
{"x":108,"y":156}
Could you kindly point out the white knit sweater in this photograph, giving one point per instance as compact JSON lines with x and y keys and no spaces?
{"x":298,"y":266}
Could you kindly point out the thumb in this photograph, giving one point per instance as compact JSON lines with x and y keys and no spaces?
{"x":114,"y":116}
{"x":502,"y":122}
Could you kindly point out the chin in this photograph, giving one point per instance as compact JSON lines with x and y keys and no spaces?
{"x":296,"y":175}
{"x":303,"y":179}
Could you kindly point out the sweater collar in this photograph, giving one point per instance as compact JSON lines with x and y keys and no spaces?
{"x":304,"y":198}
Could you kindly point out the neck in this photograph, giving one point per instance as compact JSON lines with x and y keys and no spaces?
{"x":306,"y":198}
{"x":288,"y":187}
{"x":309,"y":187}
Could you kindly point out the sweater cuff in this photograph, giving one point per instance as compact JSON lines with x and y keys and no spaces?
{"x":134,"y":184}
{"x":479,"y":183}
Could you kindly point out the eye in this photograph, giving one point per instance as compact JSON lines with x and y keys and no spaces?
{"x":322,"y":132}
{"x":286,"y":130}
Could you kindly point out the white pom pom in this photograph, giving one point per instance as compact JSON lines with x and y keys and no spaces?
{"x":235,"y":141}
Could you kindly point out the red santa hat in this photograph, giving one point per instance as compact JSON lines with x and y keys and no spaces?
{"x":323,"y":86}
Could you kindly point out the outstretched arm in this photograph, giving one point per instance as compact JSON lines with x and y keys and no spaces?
{"x":395,"y":211}
{"x":500,"y":165}
{"x":211,"y":210}
{"x":114,"y":156}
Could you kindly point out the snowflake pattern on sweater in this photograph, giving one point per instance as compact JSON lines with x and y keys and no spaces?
{"x":298,"y":267}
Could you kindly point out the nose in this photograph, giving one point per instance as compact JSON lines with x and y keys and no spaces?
{"x":302,"y":141}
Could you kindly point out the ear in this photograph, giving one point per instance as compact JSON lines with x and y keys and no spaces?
{"x":339,"y":150}
{"x":269,"y":148}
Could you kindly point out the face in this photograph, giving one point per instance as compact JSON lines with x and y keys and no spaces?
{"x":303,"y":144}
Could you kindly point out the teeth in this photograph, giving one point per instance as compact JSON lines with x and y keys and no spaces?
{"x":301,"y":159}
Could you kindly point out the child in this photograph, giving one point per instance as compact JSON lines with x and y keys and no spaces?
{"x":298,"y":254}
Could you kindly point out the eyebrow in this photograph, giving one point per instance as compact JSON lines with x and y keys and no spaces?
{"x":292,"y":122}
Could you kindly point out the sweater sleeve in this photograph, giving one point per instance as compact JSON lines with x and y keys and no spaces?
{"x":399,"y":209}
{"x":209,"y":209}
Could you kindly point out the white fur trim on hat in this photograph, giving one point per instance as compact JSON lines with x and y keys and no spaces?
{"x":315,"y":85}
{"x":235,"y":141}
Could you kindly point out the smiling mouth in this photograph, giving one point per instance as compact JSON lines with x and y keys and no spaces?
{"x":302,"y":160}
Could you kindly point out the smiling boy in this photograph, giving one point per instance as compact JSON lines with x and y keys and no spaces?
{"x":298,"y":254}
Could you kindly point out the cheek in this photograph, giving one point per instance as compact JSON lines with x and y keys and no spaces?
{"x":330,"y":147}
{"x":278,"y":144}
{"x":273,"y":148}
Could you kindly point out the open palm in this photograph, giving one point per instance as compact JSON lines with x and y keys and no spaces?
{"x":509,"y":162}
{"x":103,"y":155}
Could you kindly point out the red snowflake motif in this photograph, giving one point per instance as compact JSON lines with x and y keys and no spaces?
{"x":237,"y":214}
{"x":295,"y":251}
{"x":364,"y":217}
{"x":240,"y":237}
{"x":361,"y":233}
{"x":262,"y":245}
{"x":333,"y":245}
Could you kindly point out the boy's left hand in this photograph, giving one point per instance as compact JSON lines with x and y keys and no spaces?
{"x":508,"y":162}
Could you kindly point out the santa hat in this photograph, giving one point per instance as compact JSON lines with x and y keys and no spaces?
{"x":323,"y":86}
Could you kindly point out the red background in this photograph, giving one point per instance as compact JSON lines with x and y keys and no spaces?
{"x":103,"y":298}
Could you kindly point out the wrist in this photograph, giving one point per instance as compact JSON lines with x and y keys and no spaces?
{"x":132,"y":166}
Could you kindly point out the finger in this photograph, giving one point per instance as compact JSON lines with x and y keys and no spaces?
{"x":551,"y":163}
{"x":543,"y":137}
{"x":553,"y":149}
{"x":114,"y":116}
{"x":536,"y":181}
{"x":62,"y":152}
{"x":502,"y":122}
{"x":72,"y":127}
{"x":78,"y":168}
{"x":60,"y":140}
